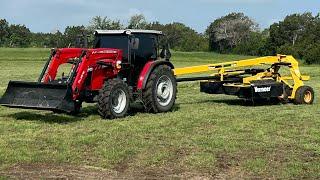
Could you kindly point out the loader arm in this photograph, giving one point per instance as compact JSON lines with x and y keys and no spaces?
{"x":97,"y":60}
{"x":61,"y":56}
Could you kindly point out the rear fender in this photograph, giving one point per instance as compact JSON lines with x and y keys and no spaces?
{"x":147,"y":69}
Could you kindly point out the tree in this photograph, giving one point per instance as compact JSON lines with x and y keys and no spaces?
{"x":19,"y":36}
{"x":294,"y":35}
{"x":48,"y":40}
{"x":254,"y":45}
{"x":228,"y":31}
{"x":72,"y":34}
{"x":155,"y":26}
{"x":4,"y":31}
{"x":312,"y":55}
{"x":104,"y":23}
{"x":291,"y":29}
{"x":137,"y":21}
{"x":183,"y":38}
{"x":99,"y":22}
{"x":55,"y":40}
{"x":38,"y":39}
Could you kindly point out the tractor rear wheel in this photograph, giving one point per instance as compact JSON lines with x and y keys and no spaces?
{"x":160,"y":92}
{"x":304,"y":95}
{"x":113,"y":99}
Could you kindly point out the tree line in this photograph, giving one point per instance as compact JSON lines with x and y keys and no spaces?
{"x":296,"y":34}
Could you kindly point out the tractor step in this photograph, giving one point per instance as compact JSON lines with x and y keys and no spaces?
{"x":33,"y":95}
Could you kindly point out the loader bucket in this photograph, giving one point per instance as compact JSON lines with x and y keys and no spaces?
{"x":33,"y":95}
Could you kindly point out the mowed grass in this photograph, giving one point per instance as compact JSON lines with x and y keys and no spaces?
{"x":214,"y":136}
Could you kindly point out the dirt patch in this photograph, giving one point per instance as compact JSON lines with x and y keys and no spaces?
{"x":39,"y":171}
{"x":122,"y":166}
{"x":168,"y":173}
{"x":226,"y":160}
{"x":231,"y":173}
{"x":228,"y":167}
{"x":50,"y":171}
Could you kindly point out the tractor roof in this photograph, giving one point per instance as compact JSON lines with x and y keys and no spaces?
{"x":128,"y":31}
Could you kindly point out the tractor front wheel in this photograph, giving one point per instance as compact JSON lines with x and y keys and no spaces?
{"x":113,"y":100}
{"x":160,"y":92}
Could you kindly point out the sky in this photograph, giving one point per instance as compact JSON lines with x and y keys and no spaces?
{"x":52,"y":15}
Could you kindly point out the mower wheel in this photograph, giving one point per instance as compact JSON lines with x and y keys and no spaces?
{"x":304,"y":95}
{"x":113,"y":99}
{"x":160,"y":92}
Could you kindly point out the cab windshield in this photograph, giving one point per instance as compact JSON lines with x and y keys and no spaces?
{"x":113,"y":41}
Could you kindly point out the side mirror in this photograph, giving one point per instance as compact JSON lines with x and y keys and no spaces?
{"x":134,"y":43}
{"x":165,"y":52}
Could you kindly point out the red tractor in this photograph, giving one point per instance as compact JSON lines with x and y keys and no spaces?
{"x":124,"y":66}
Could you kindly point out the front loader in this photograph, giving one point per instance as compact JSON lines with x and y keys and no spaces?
{"x":123,"y":66}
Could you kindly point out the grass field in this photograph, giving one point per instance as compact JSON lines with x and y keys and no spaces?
{"x":205,"y":136}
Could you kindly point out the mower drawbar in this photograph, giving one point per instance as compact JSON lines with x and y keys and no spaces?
{"x":34,"y":95}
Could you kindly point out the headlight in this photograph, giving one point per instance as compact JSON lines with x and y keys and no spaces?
{"x":118,"y":64}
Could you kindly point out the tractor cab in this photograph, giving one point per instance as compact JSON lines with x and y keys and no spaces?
{"x":138,"y":47}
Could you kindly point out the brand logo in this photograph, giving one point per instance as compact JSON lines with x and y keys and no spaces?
{"x":262,"y":89}
{"x":105,"y":52}
{"x":81,"y":77}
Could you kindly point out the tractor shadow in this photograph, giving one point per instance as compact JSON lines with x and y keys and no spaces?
{"x":50,"y":117}
{"x":61,"y":118}
{"x":47,"y":117}
{"x":235,"y":102}
{"x":136,"y":108}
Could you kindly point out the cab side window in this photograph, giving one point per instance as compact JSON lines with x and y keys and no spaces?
{"x":147,"y":47}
